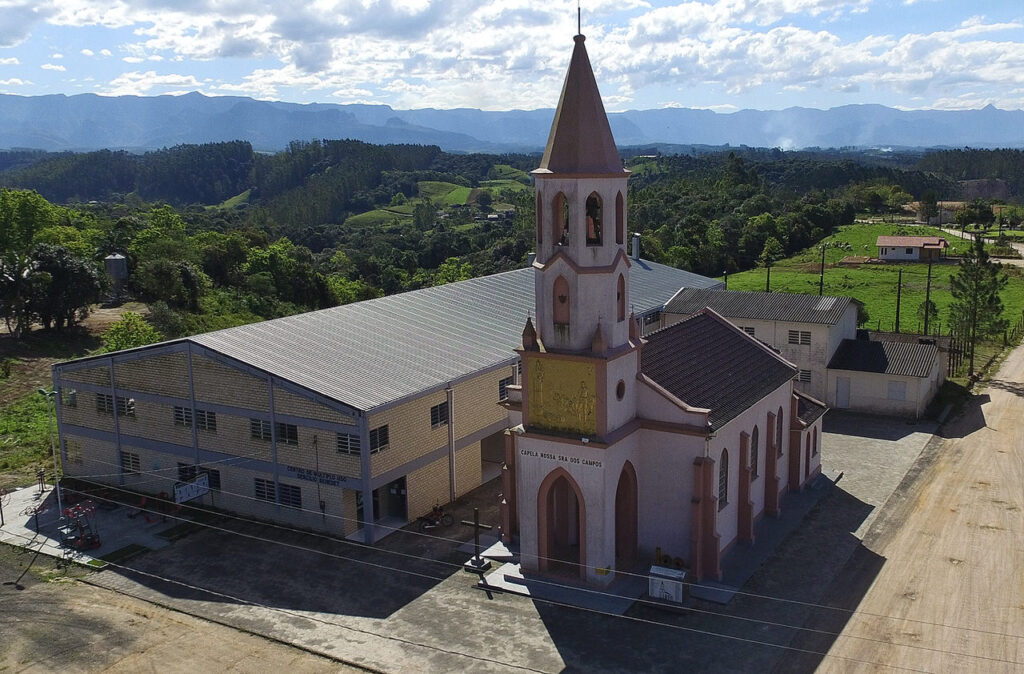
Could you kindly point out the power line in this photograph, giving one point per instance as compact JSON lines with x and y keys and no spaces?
{"x":557,"y":585}
{"x":577,"y":565}
{"x":550,"y":602}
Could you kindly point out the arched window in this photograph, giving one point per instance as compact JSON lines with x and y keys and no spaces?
{"x":620,"y":220}
{"x":560,"y":301}
{"x":620,"y":297}
{"x":778,"y":432}
{"x":560,"y":221}
{"x":540,"y":220}
{"x":814,"y":444}
{"x":754,"y":451}
{"x":723,"y":480}
{"x":594,"y":235}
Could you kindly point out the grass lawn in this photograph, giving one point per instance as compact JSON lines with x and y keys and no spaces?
{"x":506,"y":172}
{"x":376,"y":218}
{"x":495,"y":186}
{"x":874,"y":284}
{"x":236,"y":200}
{"x":24,"y":440}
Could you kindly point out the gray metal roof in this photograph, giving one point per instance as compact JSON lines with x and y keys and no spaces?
{"x":807,"y":408}
{"x":895,"y":358}
{"x":377,"y":352}
{"x":763,"y":306}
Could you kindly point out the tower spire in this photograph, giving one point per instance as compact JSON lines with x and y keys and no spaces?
{"x":579,"y":19}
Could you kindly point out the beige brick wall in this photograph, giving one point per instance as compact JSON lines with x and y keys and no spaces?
{"x":155,"y":421}
{"x":98,"y":458}
{"x":410,"y":435}
{"x":85,"y":414}
{"x":233,"y":437}
{"x":166,"y":374}
{"x":99,"y":376}
{"x":426,"y":486}
{"x":225,"y":385}
{"x":286,"y":402}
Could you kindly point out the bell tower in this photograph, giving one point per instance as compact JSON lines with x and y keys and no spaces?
{"x":581,"y":358}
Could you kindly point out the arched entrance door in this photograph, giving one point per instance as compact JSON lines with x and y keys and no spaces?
{"x":626,"y":519}
{"x":561,"y":515}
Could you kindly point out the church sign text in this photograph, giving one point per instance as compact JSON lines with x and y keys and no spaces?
{"x":560,"y":458}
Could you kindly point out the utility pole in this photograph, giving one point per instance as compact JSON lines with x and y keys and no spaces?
{"x":928,"y":298}
{"x":768,"y":279}
{"x":726,"y":275}
{"x":821,"y":279}
{"x":899,"y":290}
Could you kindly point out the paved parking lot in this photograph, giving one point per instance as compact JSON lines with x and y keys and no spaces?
{"x":406,"y":605}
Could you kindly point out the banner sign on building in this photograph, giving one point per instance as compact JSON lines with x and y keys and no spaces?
{"x":186,"y":491}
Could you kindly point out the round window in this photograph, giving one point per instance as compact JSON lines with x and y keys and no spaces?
{"x":620,"y":390}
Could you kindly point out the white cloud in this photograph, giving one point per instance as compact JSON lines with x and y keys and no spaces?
{"x":9,"y":61}
{"x":53,"y":66}
{"x":141,"y":83}
{"x":105,"y":52}
{"x":14,"y":82}
{"x":56,"y":56}
{"x":87,"y":52}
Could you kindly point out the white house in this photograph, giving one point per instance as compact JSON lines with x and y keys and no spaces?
{"x":884,"y":377}
{"x":910,"y":248}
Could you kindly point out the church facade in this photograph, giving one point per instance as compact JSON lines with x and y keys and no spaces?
{"x":626,"y":449}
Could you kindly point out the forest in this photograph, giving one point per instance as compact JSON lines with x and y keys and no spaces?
{"x":218,"y":235}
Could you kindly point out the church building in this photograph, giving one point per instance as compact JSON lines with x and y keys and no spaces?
{"x":622,"y":447}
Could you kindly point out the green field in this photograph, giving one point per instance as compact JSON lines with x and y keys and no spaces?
{"x":377,"y":218}
{"x":874,"y":284}
{"x":494,"y":186}
{"x":506,"y":172}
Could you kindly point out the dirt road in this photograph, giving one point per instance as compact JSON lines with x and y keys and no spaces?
{"x":69,"y":626}
{"x":951,"y":585}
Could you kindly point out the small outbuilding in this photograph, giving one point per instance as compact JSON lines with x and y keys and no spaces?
{"x":891,"y":378}
{"x":910,"y":248}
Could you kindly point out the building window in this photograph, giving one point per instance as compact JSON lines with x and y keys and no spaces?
{"x":264,"y":490}
{"x":73,"y":451}
{"x":183,"y":416}
{"x":259,"y":429}
{"x":910,"y":251}
{"x":206,"y":421}
{"x":594,"y":234}
{"x":802,"y":337}
{"x":560,"y":221}
{"x":186,"y":472}
{"x":749,"y":331}
{"x":778,"y":431}
{"x":560,"y":301}
{"x":620,"y":297}
{"x":620,"y":390}
{"x":814,"y":445}
{"x":519,"y":368}
{"x":723,"y":480}
{"x":439,"y":415}
{"x":289,"y":495}
{"x":620,"y":224}
{"x":804,"y":376}
{"x":130,"y":463}
{"x":503,"y":388}
{"x":540,"y":220}
{"x":897,"y":390}
{"x":213,"y":477}
{"x":287,"y":433}
{"x":104,"y":403}
{"x":348,"y":443}
{"x":754,"y":452}
{"x":69,"y":397}
{"x":378,"y":439}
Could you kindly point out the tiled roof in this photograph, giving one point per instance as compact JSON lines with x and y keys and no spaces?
{"x":895,"y":358}
{"x":760,"y":305}
{"x":705,"y":361}
{"x":911,"y":242}
{"x":374,"y":353}
{"x":807,"y":408}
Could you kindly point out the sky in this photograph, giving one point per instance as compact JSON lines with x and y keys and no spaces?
{"x":512,"y":54}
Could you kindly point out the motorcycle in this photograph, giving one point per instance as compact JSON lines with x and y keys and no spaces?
{"x":435,"y":518}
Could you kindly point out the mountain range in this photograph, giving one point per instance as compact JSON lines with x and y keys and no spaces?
{"x":89,"y":122}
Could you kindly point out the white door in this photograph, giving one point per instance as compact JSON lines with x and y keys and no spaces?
{"x":843,"y":392}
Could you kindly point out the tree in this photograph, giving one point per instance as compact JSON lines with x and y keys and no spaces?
{"x":129,"y":332}
{"x":772,"y":251}
{"x":65,"y":286}
{"x":22,"y":215}
{"x":977,"y":309}
{"x":452,"y":270}
{"x":927,"y":207}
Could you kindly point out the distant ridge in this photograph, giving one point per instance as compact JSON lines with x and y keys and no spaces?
{"x":90,"y":122}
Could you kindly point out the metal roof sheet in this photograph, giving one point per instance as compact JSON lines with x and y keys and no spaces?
{"x":912,"y":241}
{"x":895,"y":358}
{"x":377,"y":352}
{"x":761,"y":305}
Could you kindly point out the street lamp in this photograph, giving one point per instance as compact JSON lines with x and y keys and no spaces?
{"x":51,"y":410}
